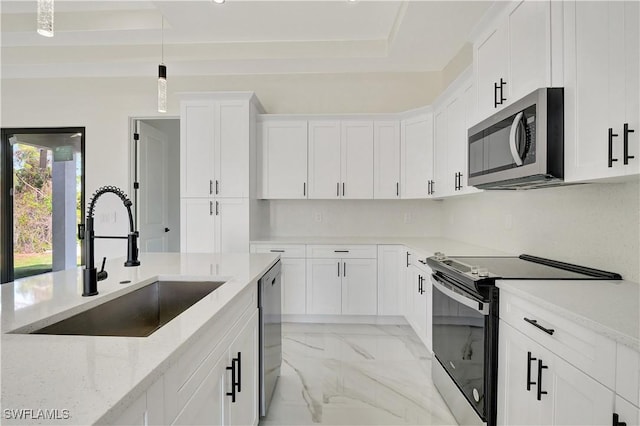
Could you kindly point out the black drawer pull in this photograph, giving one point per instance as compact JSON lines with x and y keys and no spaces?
{"x":540,"y":368}
{"x":232,"y":394}
{"x":276,"y":251}
{"x":549,"y":331}
{"x":239,"y":383}
{"x":529,"y":359}
{"x":424,"y":262}
{"x":341,"y":251}
{"x":611,"y":136}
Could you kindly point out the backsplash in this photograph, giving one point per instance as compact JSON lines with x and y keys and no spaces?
{"x":328,"y":218}
{"x":595,"y":225}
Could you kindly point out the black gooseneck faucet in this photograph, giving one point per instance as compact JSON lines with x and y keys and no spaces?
{"x":91,"y":275}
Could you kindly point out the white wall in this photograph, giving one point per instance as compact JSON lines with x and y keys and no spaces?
{"x":407,"y":218}
{"x":595,"y":225}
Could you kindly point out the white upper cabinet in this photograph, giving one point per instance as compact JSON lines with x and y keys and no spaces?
{"x":283,"y":153}
{"x":513,"y":57}
{"x":197,"y":129}
{"x":602,"y":128}
{"x":214,"y":148}
{"x":357,"y":159}
{"x":341,"y":159}
{"x":416,"y":156}
{"x":386,"y":159}
{"x":440,"y":184}
{"x":324,"y":159}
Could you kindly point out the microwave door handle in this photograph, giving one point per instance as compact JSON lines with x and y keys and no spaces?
{"x":480,"y":307}
{"x":512,"y":139}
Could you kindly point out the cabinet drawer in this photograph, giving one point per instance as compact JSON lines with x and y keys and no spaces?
{"x":284,"y":250}
{"x":342,"y":251}
{"x":628,"y":374}
{"x":590,"y":352}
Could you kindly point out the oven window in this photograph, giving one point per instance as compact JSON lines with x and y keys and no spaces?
{"x":459,"y":345}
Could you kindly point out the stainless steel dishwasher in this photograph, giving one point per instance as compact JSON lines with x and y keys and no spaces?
{"x":269,"y":293}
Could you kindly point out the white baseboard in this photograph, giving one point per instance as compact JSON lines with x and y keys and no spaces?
{"x":345,"y":319}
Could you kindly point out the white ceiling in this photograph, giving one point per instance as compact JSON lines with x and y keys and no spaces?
{"x":123,"y":38}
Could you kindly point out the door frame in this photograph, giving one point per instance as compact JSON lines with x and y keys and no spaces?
{"x":134,"y":183}
{"x":6,"y":190}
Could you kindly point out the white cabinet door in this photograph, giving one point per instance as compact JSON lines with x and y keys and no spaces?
{"x":232,"y":149}
{"x":601,"y":89}
{"x":391,"y":285}
{"x":416,"y":155}
{"x":324,"y":286}
{"x":357,"y":159}
{"x":386,"y":159}
{"x":294,"y":295}
{"x":490,"y":60}
{"x":517,"y":376}
{"x":197,"y":225}
{"x":457,"y":142}
{"x":232,"y":225}
{"x":206,"y":405}
{"x":627,"y":412}
{"x":324,"y":159}
{"x":529,"y":51}
{"x":283,"y":162}
{"x":197,"y":130}
{"x":577,"y":398}
{"x":359,"y":286}
{"x":244,"y":350}
{"x":441,"y":185}
{"x":422,"y":307}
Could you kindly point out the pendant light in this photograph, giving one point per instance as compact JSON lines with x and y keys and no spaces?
{"x":45,"y":18}
{"x":162,"y":79}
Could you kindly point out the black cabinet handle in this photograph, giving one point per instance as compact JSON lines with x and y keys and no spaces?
{"x":344,"y":269}
{"x":424,"y":262}
{"x":343,"y":189}
{"x":397,"y":189}
{"x":276,"y":251}
{"x":304,"y":189}
{"x":419,"y":284}
{"x":210,"y":208}
{"x":337,"y":189}
{"x":502,"y":84}
{"x":210,"y":187}
{"x":407,"y":259}
{"x":239,"y":383}
{"x":341,"y":251}
{"x":338,"y":268}
{"x":625,"y":138}
{"x":232,"y":394}
{"x":529,"y":359}
{"x":549,"y":331}
{"x":217,"y":187}
{"x":611,"y":136}
{"x":540,"y":368}
{"x":166,"y":229}
{"x":495,"y":95}
{"x":616,"y":420}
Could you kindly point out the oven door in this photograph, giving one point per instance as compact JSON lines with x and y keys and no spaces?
{"x":460,"y":333}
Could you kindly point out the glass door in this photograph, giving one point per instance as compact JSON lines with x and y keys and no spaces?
{"x":43,"y":196}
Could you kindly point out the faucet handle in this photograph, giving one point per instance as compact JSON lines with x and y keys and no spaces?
{"x":81,"y":231}
{"x":102,"y":274}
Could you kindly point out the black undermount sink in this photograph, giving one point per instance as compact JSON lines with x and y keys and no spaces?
{"x":135,"y":314}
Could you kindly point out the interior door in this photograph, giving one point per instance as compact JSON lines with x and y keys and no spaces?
{"x":154,"y":208}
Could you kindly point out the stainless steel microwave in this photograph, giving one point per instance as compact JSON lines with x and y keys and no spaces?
{"x":521,"y":146}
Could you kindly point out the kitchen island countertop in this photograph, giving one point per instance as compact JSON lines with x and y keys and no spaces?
{"x":90,"y":375}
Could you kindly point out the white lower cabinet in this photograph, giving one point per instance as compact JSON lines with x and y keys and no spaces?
{"x":342,"y":286}
{"x":418,"y":298}
{"x":147,"y":410}
{"x":228,"y":395}
{"x":537,"y":387}
{"x":390,"y":279}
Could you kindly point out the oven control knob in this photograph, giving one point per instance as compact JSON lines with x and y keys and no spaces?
{"x":474,"y":270}
{"x":476,"y":395}
{"x":483,"y":272}
{"x":440,"y":256}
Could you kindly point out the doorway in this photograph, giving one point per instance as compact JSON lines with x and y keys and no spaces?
{"x":156,"y":183}
{"x":42,"y":186}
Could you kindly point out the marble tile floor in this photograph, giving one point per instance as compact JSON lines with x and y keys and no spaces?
{"x":347,"y":374}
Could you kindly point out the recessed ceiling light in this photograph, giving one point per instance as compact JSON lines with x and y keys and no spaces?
{"x":218,"y":1}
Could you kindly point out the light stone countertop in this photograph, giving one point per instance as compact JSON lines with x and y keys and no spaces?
{"x":425,"y":245}
{"x":610,"y":308}
{"x":88,"y":375}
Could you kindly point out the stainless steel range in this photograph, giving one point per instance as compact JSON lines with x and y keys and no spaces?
{"x":465,"y":324}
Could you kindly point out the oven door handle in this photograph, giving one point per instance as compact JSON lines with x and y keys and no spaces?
{"x":480,"y":307}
